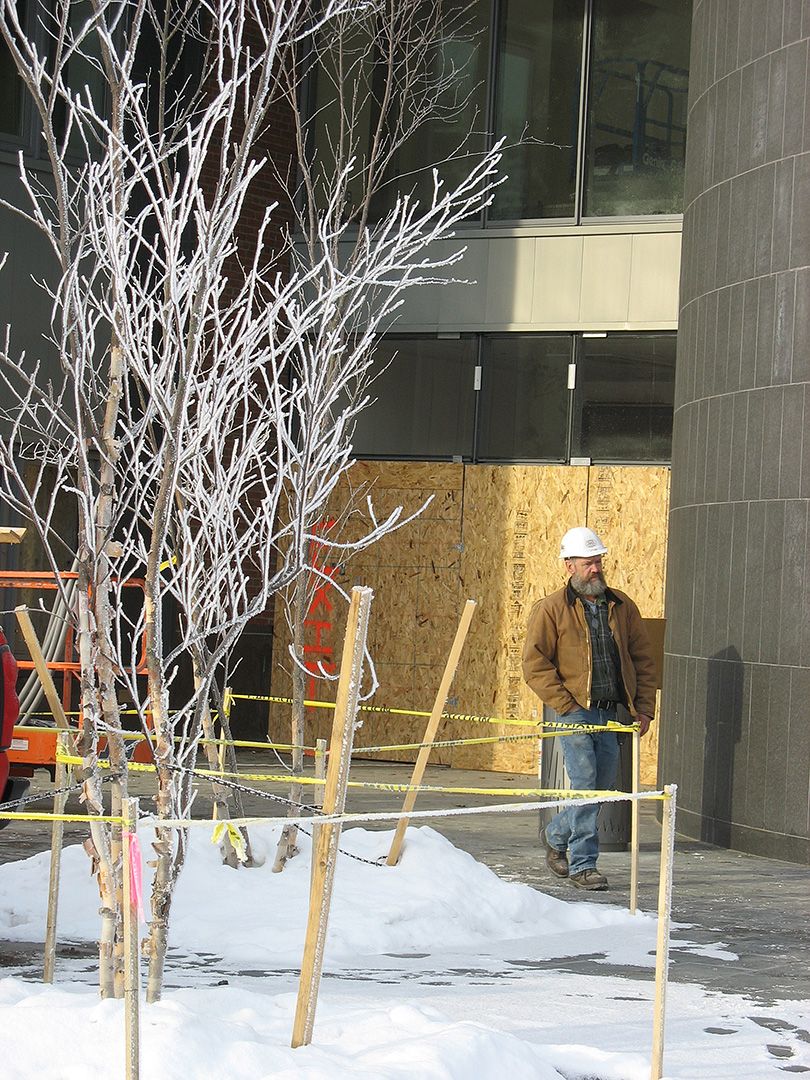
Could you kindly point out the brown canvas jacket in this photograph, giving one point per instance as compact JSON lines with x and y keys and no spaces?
{"x":557,"y":653}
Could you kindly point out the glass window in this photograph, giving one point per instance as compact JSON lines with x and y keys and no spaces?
{"x":624,"y":398}
{"x":340,"y":103}
{"x":637,"y":107}
{"x":537,"y":90}
{"x":378,"y":95}
{"x":82,"y":73}
{"x":11,"y":88}
{"x":524,"y":398}
{"x":451,"y":132}
{"x":425,"y":403}
{"x":525,"y":85}
{"x":424,"y":399}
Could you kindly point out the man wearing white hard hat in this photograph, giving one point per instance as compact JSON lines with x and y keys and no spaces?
{"x":586,"y":653}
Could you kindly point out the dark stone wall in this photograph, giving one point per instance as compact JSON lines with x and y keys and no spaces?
{"x":735,"y":729}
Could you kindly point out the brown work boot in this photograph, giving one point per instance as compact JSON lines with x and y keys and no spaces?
{"x":589,"y":879}
{"x":556,"y":861}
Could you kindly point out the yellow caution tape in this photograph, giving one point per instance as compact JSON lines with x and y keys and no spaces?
{"x":572,"y":729}
{"x":234,"y":835}
{"x":490,"y":739}
{"x":388,"y":711}
{"x":289,"y":778}
{"x":387,"y":815}
{"x":467,"y":718}
{"x":20,"y":816}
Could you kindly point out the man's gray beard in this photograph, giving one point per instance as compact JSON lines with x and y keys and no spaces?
{"x":595,"y":587}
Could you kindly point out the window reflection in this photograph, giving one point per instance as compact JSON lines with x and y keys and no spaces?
{"x":618,"y":152}
{"x":538,"y":67}
{"x":425,"y":405}
{"x":450,"y":138}
{"x":637,"y":107}
{"x":524,"y":398}
{"x":624,"y":398}
{"x":11,"y":88}
{"x":424,"y":399}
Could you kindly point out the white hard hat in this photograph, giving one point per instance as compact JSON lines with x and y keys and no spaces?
{"x":581,"y":543}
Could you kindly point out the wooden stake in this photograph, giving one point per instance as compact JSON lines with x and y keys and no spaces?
{"x":431,"y":729}
{"x":320,"y":774}
{"x":227,"y":698}
{"x":337,"y":776}
{"x":62,"y":773}
{"x":662,"y":944}
{"x":11,"y":535}
{"x":634,"y":814}
{"x":216,"y":754}
{"x":132,"y":979}
{"x":42,"y":669}
{"x":320,"y":769}
{"x":57,"y":834}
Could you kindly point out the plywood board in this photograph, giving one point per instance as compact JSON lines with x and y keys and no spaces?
{"x":513,"y":519}
{"x":628,"y":506}
{"x":490,"y":533}
{"x":414,"y":574}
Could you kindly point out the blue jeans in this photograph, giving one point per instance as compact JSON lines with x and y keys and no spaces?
{"x":591,"y":761}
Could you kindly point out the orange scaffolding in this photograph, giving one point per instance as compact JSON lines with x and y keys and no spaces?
{"x":34,"y":747}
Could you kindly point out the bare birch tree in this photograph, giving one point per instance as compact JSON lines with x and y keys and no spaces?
{"x":197,"y":388}
{"x":361,"y":93}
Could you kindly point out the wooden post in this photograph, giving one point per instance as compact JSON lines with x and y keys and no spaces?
{"x":227,"y":699}
{"x":220,"y":751}
{"x":337,"y":776}
{"x":320,"y":769}
{"x":42,"y":669}
{"x":57,"y":834}
{"x":11,"y":535}
{"x":662,"y":944}
{"x":431,"y":729}
{"x":320,"y":774}
{"x":131,"y":952}
{"x":634,"y":816}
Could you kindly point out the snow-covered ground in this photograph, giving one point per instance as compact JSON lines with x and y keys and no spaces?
{"x":434,"y":969}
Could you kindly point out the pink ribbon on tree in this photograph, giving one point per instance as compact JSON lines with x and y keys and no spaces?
{"x":136,"y":875}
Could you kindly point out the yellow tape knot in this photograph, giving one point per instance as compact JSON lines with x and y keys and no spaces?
{"x":234,"y":835}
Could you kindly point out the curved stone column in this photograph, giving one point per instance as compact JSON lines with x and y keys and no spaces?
{"x":735,"y":729}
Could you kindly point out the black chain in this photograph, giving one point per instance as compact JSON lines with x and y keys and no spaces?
{"x":24,"y":800}
{"x":245,"y":789}
{"x":234,"y":786}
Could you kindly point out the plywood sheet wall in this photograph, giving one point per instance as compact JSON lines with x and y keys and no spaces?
{"x":490,"y":533}
{"x":513,"y":519}
{"x":414,"y":573}
{"x":628,"y":506}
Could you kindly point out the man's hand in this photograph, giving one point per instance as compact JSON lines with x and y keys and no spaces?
{"x":643,"y":723}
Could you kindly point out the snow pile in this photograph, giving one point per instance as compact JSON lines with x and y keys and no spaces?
{"x":192,"y":1035}
{"x":438,"y":897}
{"x":437,"y":971}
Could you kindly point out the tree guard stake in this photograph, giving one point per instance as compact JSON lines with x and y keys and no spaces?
{"x":132,"y":890}
{"x":325,"y":847}
{"x":431,"y":729}
{"x":664,"y":915}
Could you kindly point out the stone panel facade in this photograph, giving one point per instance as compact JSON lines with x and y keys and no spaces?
{"x":735,"y":733}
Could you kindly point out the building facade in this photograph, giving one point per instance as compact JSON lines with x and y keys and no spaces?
{"x":537,"y":393}
{"x":734,"y":727}
{"x":540,"y":392}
